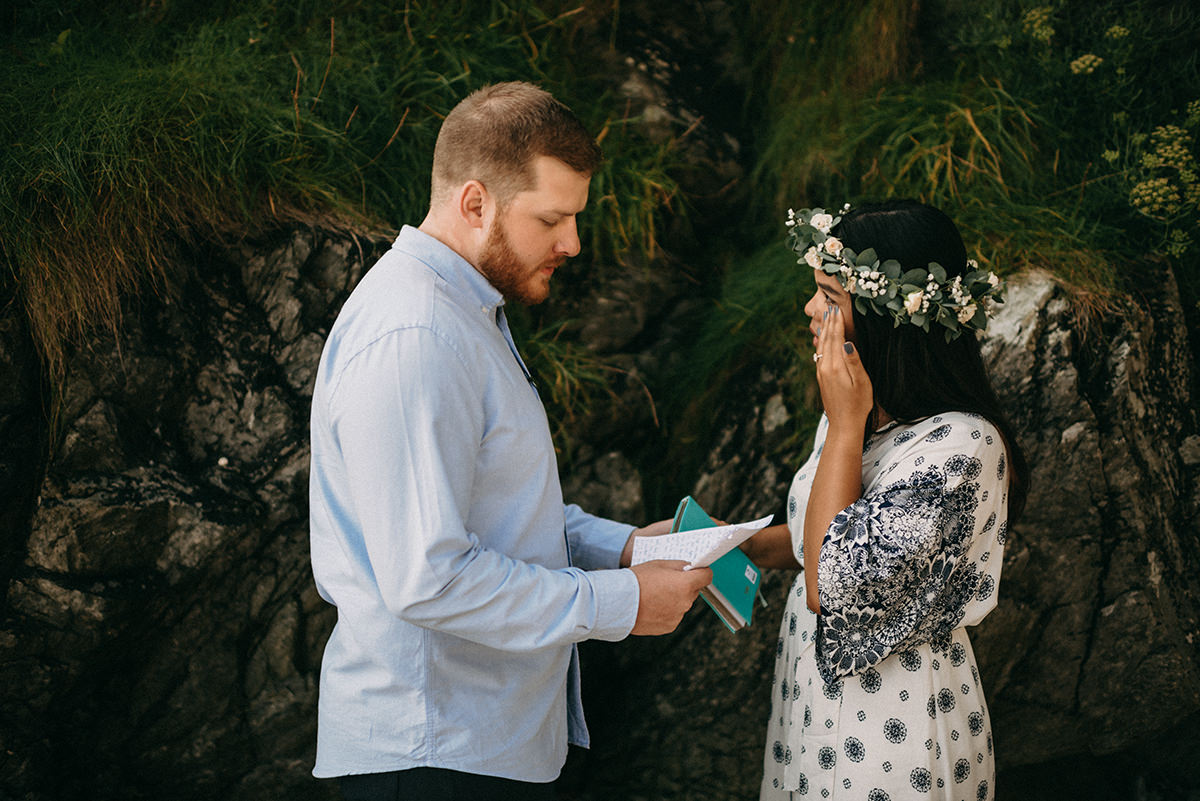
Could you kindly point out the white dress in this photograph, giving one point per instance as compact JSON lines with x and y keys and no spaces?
{"x":880,"y":698}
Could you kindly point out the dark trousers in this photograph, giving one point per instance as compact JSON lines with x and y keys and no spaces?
{"x":439,"y":784}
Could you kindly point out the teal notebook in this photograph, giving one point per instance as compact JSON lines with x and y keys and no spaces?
{"x":736,"y":580}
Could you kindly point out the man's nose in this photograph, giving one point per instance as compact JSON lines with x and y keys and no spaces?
{"x":568,"y":243}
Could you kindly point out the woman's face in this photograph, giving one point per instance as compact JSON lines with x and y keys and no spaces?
{"x":829,"y":294}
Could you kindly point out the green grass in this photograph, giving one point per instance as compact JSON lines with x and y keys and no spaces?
{"x":127,"y":136}
{"x":1060,"y":135}
{"x":994,"y":110}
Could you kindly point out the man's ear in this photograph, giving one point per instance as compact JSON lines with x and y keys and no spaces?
{"x":473,"y":202}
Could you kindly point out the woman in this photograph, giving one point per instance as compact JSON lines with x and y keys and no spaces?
{"x":900,"y":513}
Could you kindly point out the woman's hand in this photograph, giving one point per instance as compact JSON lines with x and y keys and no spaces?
{"x":848,"y":399}
{"x":846,"y":391}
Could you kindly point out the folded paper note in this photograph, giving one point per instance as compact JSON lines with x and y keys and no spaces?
{"x":697,"y":540}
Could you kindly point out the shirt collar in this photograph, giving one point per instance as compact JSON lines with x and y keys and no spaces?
{"x":457,"y":272}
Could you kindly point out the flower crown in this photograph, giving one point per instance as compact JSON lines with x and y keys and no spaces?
{"x":917,"y":296}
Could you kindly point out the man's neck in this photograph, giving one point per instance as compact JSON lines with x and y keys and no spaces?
{"x":435,"y":227}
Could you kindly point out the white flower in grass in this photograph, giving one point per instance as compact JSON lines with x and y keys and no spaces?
{"x":913,"y":301}
{"x":966,"y":313}
{"x":813,"y":257}
{"x":833,"y":246}
{"x":822,"y":222}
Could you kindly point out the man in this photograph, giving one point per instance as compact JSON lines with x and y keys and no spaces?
{"x":462,"y":581}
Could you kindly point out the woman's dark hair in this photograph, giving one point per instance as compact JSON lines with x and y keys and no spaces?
{"x":917,"y":374}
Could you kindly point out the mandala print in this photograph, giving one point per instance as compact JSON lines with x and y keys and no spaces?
{"x":847,"y":643}
{"x":894,"y":730}
{"x":870,"y":681}
{"x":938,"y":434}
{"x":900,"y":570}
{"x":872,"y":538}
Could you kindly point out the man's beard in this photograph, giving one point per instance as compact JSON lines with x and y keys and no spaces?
{"x":502,"y":267}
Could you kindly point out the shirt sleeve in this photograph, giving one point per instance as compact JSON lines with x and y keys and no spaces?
{"x":896,"y":568}
{"x":596,"y":542}
{"x":407,"y":422}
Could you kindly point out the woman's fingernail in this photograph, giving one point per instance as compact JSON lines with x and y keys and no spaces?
{"x":818,"y":330}
{"x":848,"y":347}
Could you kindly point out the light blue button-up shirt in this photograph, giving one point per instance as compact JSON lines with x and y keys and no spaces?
{"x":437,"y":527}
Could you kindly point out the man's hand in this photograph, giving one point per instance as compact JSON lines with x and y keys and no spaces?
{"x":665,"y":593}
{"x":651,"y":530}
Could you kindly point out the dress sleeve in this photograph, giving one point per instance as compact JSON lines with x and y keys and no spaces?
{"x":902,"y":565}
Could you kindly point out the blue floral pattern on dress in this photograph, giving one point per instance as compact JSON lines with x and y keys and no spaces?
{"x":891,"y":574}
{"x":887,"y":661}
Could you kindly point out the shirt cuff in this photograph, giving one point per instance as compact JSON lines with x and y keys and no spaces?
{"x":616,"y":593}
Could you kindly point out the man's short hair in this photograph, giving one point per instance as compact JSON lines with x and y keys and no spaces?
{"x":495,"y":133}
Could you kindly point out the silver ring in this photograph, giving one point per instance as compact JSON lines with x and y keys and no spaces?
{"x":817,"y":356}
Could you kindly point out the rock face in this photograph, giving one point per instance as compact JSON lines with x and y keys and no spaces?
{"x":161,"y":631}
{"x":162,"y":637}
{"x":1090,"y":661}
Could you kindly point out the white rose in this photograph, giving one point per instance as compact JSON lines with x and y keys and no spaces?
{"x":851,"y":284}
{"x":813,"y":258}
{"x":822,"y":222}
{"x":966,"y":313}
{"x":833,"y":246}
{"x":913,"y":301}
